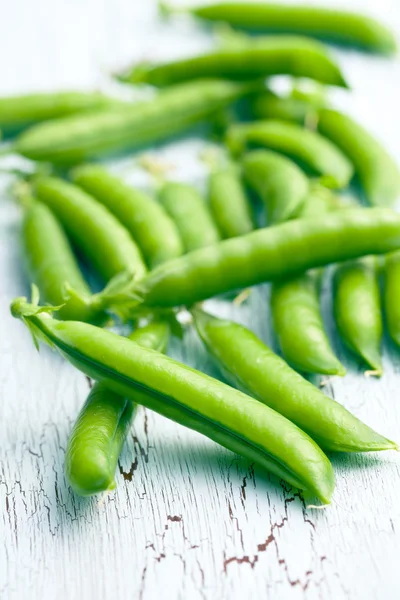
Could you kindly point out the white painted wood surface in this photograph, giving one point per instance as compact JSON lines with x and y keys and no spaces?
{"x":189,"y":520}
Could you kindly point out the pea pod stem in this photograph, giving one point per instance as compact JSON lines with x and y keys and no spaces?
{"x":251,"y":365}
{"x":269,"y":254}
{"x":189,"y":397}
{"x":103,"y":423}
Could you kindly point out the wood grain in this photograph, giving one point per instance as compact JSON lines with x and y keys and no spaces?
{"x":188,"y":519}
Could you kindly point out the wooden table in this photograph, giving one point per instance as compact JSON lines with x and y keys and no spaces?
{"x":189,"y":519}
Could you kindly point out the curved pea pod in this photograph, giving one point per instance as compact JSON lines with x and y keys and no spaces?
{"x":357,"y":308}
{"x":378,"y":173}
{"x":295,"y":305}
{"x":280,"y":183}
{"x":275,"y":55}
{"x":248,"y":363}
{"x":150,"y":226}
{"x":337,"y":26}
{"x":79,"y":138}
{"x":308,"y":147}
{"x":298,"y":324}
{"x":102,"y":425}
{"x":290,"y":108}
{"x":52,"y":266}
{"x":100,"y":236}
{"x":190,"y":213}
{"x":178,"y":392}
{"x":17,"y":112}
{"x":268,"y":254}
{"x":391,"y":295}
{"x":228,"y":202}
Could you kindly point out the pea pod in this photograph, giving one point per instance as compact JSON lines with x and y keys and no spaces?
{"x":79,"y":138}
{"x":191,"y":214}
{"x":295,"y":307}
{"x":227,"y":416}
{"x":299,"y":110}
{"x":357,"y":308}
{"x":251,"y":365}
{"x":391,"y":295}
{"x":320,"y":201}
{"x":150,"y":226}
{"x":268,"y":254}
{"x":298,"y":324}
{"x":275,"y":55}
{"x":306,"y":146}
{"x":377,"y":171}
{"x":102,"y":425}
{"x":228,"y":202}
{"x":279,"y":182}
{"x":52,"y":265}
{"x":103,"y":240}
{"x":17,"y":112}
{"x":338,"y":26}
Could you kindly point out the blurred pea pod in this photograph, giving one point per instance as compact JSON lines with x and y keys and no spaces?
{"x":308,"y":147}
{"x":280,"y":183}
{"x":17,"y":112}
{"x":376,"y":170}
{"x":248,"y":59}
{"x":334,"y":25}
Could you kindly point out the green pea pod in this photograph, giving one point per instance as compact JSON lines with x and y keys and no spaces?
{"x":100,"y":236}
{"x":357,"y":308}
{"x":299,"y":110}
{"x":268,"y":254}
{"x":295,"y":306}
{"x":275,"y":55}
{"x":280,"y":183}
{"x":17,"y":112}
{"x":298,"y":324}
{"x":227,"y":416}
{"x":191,"y":214}
{"x":377,"y":171}
{"x":78,"y":138}
{"x":320,"y":201}
{"x":251,"y":365}
{"x":150,"y":226}
{"x":229,"y":204}
{"x":338,"y":26}
{"x":391,"y":295}
{"x":52,"y":265}
{"x":308,"y":147}
{"x":102,"y":425}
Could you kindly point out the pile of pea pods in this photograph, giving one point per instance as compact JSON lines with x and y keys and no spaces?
{"x":158,"y":256}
